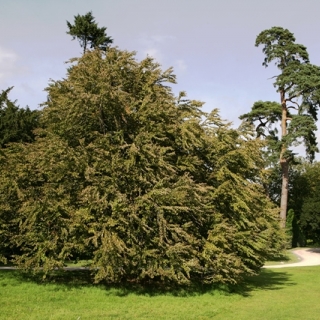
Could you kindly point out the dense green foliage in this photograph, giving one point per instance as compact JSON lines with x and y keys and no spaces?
{"x":86,"y":30}
{"x":16,"y":124}
{"x":138,"y":180}
{"x":299,"y":86}
{"x":305,"y":202}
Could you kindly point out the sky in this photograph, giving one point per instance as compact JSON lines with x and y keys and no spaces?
{"x":209,"y":43}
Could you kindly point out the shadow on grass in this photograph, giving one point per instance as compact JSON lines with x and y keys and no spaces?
{"x":266,"y":280}
{"x":69,"y":280}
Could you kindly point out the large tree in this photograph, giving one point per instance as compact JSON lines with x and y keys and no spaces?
{"x":298,"y":85}
{"x":86,"y":30}
{"x":138,"y":180}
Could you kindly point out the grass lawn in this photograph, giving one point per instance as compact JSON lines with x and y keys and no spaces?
{"x":291,"y":293}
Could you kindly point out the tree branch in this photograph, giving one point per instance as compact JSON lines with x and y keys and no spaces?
{"x":296,"y":103}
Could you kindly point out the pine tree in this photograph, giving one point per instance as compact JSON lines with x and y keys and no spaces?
{"x":298,"y":85}
{"x":86,"y":30}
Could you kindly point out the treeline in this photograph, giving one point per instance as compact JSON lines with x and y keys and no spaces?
{"x":118,"y":170}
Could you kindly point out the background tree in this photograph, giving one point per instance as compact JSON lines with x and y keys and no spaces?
{"x":298,"y":85}
{"x":16,"y":124}
{"x":86,"y":30}
{"x":305,"y":200}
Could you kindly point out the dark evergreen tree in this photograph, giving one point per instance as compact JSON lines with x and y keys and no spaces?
{"x":86,"y":30}
{"x":305,"y":202}
{"x":16,"y":124}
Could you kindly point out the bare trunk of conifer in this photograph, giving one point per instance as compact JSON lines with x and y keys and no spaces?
{"x":284,"y":164}
{"x":84,"y":45}
{"x":284,"y":192}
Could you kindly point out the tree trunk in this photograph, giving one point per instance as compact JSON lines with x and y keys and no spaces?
{"x":284,"y":192}
{"x":84,"y":45}
{"x":284,"y":164}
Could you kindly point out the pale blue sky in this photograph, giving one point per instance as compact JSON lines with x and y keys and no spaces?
{"x":209,"y":43}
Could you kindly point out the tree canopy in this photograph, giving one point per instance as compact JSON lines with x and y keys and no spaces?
{"x":136,"y":179}
{"x":16,"y":124}
{"x":86,"y":30}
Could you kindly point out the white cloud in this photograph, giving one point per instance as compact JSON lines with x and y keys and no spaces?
{"x":154,"y":45}
{"x":154,"y":53}
{"x":161,"y":38}
{"x":181,"y":65}
{"x":8,"y":61}
{"x":9,"y":67}
{"x":155,"y":40}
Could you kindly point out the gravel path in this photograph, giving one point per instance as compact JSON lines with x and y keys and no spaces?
{"x":307,"y":256}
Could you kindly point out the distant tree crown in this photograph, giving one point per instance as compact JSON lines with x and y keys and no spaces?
{"x":86,"y":30}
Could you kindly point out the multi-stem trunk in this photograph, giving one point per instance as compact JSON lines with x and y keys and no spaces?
{"x":284,"y":164}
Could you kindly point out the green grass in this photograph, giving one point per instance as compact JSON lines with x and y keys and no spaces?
{"x":291,"y":293}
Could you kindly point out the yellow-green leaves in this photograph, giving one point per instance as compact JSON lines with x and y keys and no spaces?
{"x":142,"y":183}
